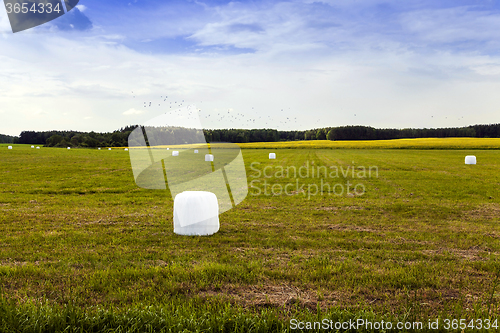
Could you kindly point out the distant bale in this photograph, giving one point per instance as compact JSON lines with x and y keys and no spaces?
{"x":272,"y":156}
{"x":175,"y":153}
{"x":196,"y":151}
{"x":37,"y":147}
{"x":209,"y":158}
{"x":126,"y":149}
{"x":109,"y":148}
{"x":69,"y":147}
{"x":32,"y":147}
{"x":9,"y":147}
{"x":470,"y":159}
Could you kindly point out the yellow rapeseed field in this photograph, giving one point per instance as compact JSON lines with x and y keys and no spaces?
{"x":424,"y":143}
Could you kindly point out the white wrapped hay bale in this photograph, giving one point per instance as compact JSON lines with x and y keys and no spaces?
{"x":175,"y":153}
{"x":272,"y":156}
{"x":109,"y":148}
{"x":32,"y":147}
{"x":126,"y":149}
{"x":9,"y":147}
{"x":470,"y":159}
{"x":209,"y":158}
{"x":99,"y":148}
{"x":37,"y":147}
{"x":168,"y":148}
{"x":69,"y":147}
{"x":196,"y":213}
{"x":196,"y":151}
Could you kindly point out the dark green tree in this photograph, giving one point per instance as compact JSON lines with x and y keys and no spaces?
{"x":54,"y":140}
{"x":320,"y":134}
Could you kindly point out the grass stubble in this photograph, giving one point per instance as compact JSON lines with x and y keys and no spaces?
{"x":82,"y":248}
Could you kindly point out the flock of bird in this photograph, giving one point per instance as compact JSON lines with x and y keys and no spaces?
{"x":222,"y":117}
{"x":236,"y":119}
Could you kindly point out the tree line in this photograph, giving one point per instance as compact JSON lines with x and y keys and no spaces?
{"x":351,"y":133}
{"x":179,"y":135}
{"x":63,"y":139}
{"x":6,"y":138}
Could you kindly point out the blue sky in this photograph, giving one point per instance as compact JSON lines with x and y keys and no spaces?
{"x":324,"y":63}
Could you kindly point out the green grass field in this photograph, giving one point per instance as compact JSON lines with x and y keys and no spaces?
{"x":83,"y":248}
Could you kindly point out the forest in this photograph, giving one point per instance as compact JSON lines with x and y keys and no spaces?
{"x":6,"y":138}
{"x":119,"y":138}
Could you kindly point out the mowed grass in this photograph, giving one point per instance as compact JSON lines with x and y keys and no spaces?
{"x":421,"y":240}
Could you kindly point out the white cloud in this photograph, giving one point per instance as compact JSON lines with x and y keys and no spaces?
{"x":81,"y":8}
{"x":453,"y":25}
{"x":488,"y":69}
{"x":133,"y":112}
{"x":4,"y":22}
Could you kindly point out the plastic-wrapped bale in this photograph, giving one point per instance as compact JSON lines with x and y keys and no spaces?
{"x":175,"y":153}
{"x":196,"y":151}
{"x":109,"y":148}
{"x":168,"y":148}
{"x":69,"y":147}
{"x":99,"y":148}
{"x":126,"y":149}
{"x":32,"y":147}
{"x":196,"y":213}
{"x":272,"y":156}
{"x":9,"y":147}
{"x":470,"y":159}
{"x":209,"y":158}
{"x":37,"y":147}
